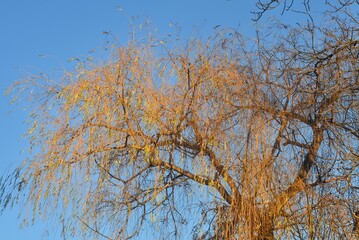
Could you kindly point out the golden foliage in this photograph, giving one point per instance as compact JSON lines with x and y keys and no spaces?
{"x":233,"y":143}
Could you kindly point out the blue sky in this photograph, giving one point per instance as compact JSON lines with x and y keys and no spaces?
{"x":64,"y":29}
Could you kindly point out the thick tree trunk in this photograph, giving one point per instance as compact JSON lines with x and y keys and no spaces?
{"x":266,"y":231}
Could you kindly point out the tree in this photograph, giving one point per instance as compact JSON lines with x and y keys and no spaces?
{"x":264,"y":6}
{"x":261,"y":138}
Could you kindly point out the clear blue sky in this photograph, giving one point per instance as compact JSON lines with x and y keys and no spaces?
{"x":68,"y":28}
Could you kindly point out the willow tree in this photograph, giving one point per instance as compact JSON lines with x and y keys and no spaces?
{"x":225,"y":138}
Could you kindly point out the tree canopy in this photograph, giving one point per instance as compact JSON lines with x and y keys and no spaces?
{"x":228,"y":138}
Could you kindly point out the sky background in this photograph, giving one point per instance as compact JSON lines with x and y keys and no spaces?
{"x":61,"y":30}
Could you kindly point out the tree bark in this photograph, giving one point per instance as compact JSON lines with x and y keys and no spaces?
{"x":266,"y":231}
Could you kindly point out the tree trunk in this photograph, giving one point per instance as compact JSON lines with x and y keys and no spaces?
{"x":266,"y":231}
